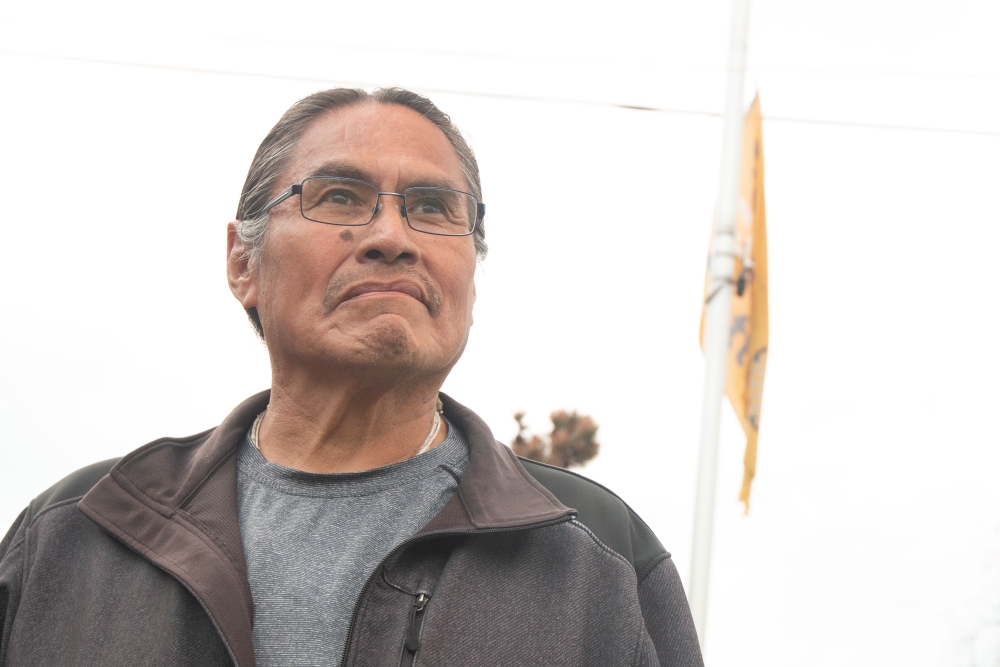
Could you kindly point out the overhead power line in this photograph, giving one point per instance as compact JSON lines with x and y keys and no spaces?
{"x":569,"y":60}
{"x":489,"y":95}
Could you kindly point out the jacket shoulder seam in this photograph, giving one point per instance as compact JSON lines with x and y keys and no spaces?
{"x":587,"y":481}
{"x":14,"y":546}
{"x":53,"y":506}
{"x":602,"y":545}
{"x":25,"y":543}
{"x":73,"y":486}
{"x":642,"y":566}
{"x":649,"y":567}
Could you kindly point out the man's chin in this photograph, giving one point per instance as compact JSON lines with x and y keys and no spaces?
{"x":390,"y":345}
{"x":386,"y":342}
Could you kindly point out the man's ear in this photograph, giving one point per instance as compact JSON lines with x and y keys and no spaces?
{"x":242,"y":281}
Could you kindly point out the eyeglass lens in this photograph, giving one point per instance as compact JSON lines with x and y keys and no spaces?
{"x":344,"y":201}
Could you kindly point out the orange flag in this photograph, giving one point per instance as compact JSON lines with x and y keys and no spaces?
{"x":748,"y":321}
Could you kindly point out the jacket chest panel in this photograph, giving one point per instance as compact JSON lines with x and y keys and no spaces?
{"x":101,"y":604}
{"x":533,"y":597}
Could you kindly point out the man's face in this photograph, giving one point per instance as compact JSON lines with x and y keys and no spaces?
{"x":382,"y":297}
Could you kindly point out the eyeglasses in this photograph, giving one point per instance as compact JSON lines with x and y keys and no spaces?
{"x":350,"y":202}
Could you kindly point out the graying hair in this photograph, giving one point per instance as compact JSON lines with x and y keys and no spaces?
{"x":274,"y":152}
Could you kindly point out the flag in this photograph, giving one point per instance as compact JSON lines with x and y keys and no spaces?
{"x":747,"y":356}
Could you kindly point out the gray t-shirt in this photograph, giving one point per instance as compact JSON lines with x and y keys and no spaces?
{"x":312,"y":540}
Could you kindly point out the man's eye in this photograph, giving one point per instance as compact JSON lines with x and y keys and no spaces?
{"x":427,"y":206}
{"x":338,"y":197}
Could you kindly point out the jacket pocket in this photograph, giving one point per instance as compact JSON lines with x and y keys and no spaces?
{"x":411,"y":642}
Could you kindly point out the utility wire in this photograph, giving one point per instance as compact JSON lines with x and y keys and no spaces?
{"x":499,"y":96}
{"x":535,"y":58}
{"x":363,"y":84}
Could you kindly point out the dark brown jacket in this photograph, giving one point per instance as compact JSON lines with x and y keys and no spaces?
{"x":140,"y":562}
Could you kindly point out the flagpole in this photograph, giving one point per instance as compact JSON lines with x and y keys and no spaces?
{"x":716,"y":333}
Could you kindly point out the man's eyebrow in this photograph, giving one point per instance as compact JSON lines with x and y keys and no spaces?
{"x":343,"y":170}
{"x":347,"y":170}
{"x":436,"y":183}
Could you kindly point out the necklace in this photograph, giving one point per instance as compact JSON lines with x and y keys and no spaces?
{"x":255,"y":428}
{"x":435,"y":428}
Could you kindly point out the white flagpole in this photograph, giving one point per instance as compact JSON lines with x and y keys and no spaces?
{"x":717,"y":311}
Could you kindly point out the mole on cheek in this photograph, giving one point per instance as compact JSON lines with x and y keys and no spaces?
{"x":347,"y":235}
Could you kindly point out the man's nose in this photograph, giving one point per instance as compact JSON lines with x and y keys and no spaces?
{"x":388,"y":236}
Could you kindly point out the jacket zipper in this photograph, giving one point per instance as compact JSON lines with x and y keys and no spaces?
{"x":412,"y":540}
{"x":412,"y":641}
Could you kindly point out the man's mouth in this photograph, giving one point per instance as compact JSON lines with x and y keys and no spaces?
{"x":406,"y":287}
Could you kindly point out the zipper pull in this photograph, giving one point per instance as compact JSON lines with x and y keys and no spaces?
{"x":416,"y":620}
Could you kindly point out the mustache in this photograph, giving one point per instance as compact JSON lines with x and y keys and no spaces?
{"x":339,"y":285}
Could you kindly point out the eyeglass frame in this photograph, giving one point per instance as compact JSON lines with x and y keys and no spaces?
{"x":296,"y":189}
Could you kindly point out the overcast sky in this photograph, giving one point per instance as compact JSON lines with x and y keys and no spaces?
{"x":874,"y":533}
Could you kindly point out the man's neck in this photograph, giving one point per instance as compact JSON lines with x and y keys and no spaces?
{"x":343,"y":428}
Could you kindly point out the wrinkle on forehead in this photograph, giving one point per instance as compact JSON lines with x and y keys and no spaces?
{"x":392,"y":142}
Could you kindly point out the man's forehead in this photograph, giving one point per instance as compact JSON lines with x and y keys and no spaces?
{"x":377,"y":141}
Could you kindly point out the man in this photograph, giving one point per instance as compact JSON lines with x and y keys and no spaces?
{"x":351,"y":515}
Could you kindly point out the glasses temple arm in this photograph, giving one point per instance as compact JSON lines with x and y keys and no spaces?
{"x":289,"y":192}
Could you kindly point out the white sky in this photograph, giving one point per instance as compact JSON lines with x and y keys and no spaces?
{"x":874,"y":536}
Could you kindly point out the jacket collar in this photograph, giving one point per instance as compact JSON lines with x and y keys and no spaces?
{"x":173,"y":502}
{"x":495,"y":491}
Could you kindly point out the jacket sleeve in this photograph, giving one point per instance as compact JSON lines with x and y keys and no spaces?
{"x":668,"y":618}
{"x":11,"y":572}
